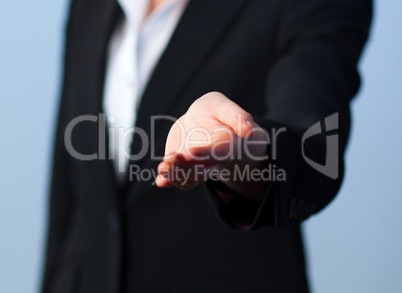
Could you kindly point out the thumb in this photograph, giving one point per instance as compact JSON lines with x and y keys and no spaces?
{"x":232,"y":115}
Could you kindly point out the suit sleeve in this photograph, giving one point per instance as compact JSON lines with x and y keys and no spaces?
{"x":312,"y":80}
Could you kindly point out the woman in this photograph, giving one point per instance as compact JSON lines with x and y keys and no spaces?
{"x":247,"y":80}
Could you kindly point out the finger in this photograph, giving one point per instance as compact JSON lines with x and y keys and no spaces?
{"x":179,"y":173}
{"x":218,"y":154}
{"x":162,"y":182}
{"x":232,"y":115}
{"x":163,"y":169}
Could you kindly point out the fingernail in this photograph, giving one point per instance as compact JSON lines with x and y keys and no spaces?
{"x":250,"y":133}
{"x":161,"y":178}
{"x":173,"y":160}
{"x":165,"y":169}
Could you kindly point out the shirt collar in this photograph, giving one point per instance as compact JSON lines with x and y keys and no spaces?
{"x":135,"y":10}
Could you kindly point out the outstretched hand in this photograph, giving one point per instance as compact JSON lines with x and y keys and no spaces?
{"x":209,"y":139}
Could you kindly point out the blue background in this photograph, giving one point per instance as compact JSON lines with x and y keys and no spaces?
{"x":353,"y":246}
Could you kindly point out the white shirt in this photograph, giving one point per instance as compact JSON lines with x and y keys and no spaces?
{"x":135,"y":47}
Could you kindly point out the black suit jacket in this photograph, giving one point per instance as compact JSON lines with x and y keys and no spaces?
{"x":290,"y":63}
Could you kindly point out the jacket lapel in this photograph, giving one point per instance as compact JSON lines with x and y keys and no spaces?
{"x":202,"y":26}
{"x":200,"y":29}
{"x":96,"y":26}
{"x":94,"y":22}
